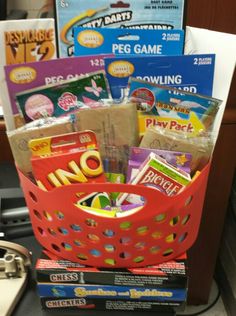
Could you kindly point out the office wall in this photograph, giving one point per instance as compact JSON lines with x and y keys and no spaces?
{"x":31,"y":6}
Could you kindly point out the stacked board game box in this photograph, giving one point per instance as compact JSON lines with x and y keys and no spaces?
{"x":64,"y":285}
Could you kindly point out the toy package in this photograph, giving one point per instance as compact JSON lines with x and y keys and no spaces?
{"x":136,"y":42}
{"x":191,"y":73}
{"x":23,"y":41}
{"x":138,"y":155}
{"x":131,"y":14}
{"x":63,"y":98}
{"x":20,"y":78}
{"x":171,"y":108}
{"x":65,"y":159}
{"x":200,"y":148}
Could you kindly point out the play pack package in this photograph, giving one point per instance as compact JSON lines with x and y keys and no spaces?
{"x":191,"y":73}
{"x":172,"y":108}
{"x":134,"y":42}
{"x":21,"y":78}
{"x":130,"y":14}
{"x":63,"y":98}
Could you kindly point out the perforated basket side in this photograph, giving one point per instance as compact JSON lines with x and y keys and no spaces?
{"x":163,"y":229}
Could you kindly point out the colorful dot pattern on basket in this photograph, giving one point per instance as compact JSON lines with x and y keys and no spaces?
{"x":162,"y":230}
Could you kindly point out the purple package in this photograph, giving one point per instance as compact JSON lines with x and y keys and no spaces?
{"x":31,"y":75}
{"x":138,"y":155}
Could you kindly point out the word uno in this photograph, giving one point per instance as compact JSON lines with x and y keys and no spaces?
{"x":79,"y":172}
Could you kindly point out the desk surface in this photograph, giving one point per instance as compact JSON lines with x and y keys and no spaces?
{"x":29,"y":303}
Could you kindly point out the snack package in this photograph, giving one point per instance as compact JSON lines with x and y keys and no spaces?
{"x":192,"y":73}
{"x":136,"y":42}
{"x":172,"y":109}
{"x":63,"y":98}
{"x":155,"y":172}
{"x":201,"y":148}
{"x":138,"y":155}
{"x":20,"y":137}
{"x":66,"y":159}
{"x":131,"y":14}
{"x":20,"y":78}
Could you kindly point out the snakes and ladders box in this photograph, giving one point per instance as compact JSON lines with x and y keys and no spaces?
{"x":170,"y":274}
{"x":23,"y":41}
{"x":192,"y":73}
{"x":136,"y":42}
{"x":31,"y":75}
{"x":130,"y":14}
{"x":66,"y":159}
{"x":88,"y":291}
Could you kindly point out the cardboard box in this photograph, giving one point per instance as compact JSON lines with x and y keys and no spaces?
{"x":171,"y":274}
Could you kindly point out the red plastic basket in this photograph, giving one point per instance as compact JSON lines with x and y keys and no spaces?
{"x":162,"y":230}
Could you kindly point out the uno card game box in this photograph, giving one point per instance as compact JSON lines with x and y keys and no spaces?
{"x":65,"y":159}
